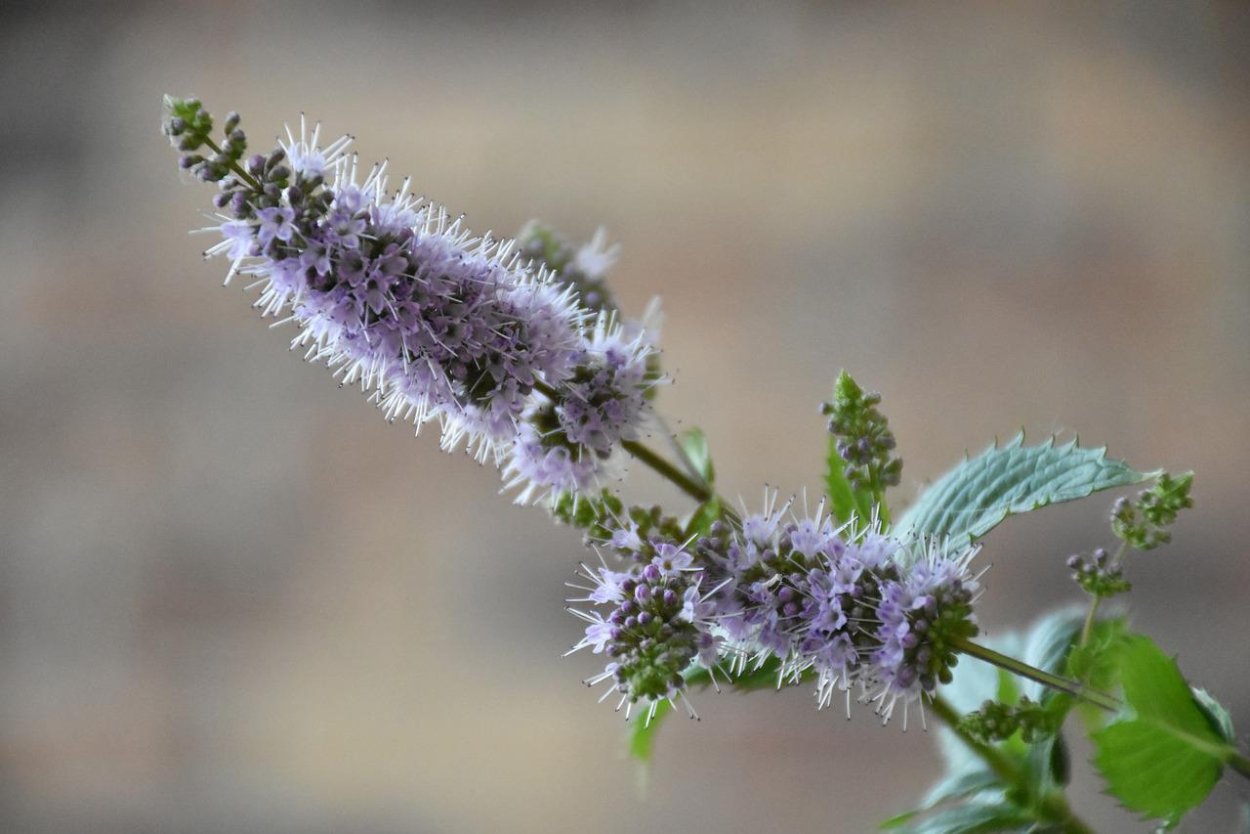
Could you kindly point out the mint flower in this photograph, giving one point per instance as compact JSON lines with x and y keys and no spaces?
{"x":571,"y":444}
{"x":659,"y":624}
{"x":847,"y":604}
{"x":920,"y":615}
{"x":388,"y":291}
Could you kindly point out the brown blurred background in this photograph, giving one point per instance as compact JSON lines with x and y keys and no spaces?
{"x":233,"y":599}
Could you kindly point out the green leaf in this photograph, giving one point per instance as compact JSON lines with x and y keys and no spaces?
{"x":975,"y":496}
{"x":844,"y":502}
{"x":1165,"y":756}
{"x":642,"y":732}
{"x":1220,"y":719}
{"x":703,"y":517}
{"x":694,"y":446}
{"x":1049,"y":641}
{"x":957,"y":786}
{"x":973,"y":818}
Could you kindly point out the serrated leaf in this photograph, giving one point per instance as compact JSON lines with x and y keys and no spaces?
{"x":694,"y":446}
{"x":974,"y":497}
{"x":1165,"y":757}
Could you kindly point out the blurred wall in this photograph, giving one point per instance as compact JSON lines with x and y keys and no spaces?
{"x":233,"y":599}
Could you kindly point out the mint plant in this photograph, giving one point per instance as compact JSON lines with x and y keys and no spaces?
{"x":518,"y":352}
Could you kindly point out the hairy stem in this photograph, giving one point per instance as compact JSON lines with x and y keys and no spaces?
{"x":1024,"y":670}
{"x":1051,"y":806}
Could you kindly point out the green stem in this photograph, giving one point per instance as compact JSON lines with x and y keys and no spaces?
{"x":1240,"y":764}
{"x":1024,"y":670}
{"x":1051,"y":806}
{"x":667,"y":470}
{"x":238,"y":172}
{"x":1088,"y":627}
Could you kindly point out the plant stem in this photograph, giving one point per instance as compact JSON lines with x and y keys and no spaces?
{"x":1088,"y":627}
{"x":696,"y":489}
{"x":238,"y":172}
{"x":1019,"y":667}
{"x":667,"y":470}
{"x":1052,"y":806}
{"x":1240,"y":763}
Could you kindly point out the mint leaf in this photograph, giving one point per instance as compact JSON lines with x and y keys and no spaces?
{"x":703,"y":517}
{"x":844,"y":502}
{"x":978,"y":494}
{"x":1164,"y":757}
{"x":1221,"y":720}
{"x":958,"y":786}
{"x":641,"y":740}
{"x":974,"y":818}
{"x":693,"y":443}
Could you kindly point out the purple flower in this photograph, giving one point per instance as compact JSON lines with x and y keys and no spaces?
{"x":659,"y":624}
{"x":540,"y":468}
{"x":571,"y":444}
{"x":275,"y":224}
{"x":920,"y":614}
{"x":396,"y":296}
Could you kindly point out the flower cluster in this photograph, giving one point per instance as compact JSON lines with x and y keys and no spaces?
{"x":850,"y":607}
{"x":660,"y":614}
{"x":397,"y":297}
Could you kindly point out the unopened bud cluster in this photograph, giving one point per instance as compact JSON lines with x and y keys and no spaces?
{"x":996,"y":721}
{"x":1142,"y":524}
{"x":863,"y":439}
{"x":1098,"y":574}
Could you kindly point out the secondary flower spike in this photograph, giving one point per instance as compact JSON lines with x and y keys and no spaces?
{"x":396,"y":296}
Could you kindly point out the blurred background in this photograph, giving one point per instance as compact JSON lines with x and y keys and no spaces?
{"x":233,"y":599}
